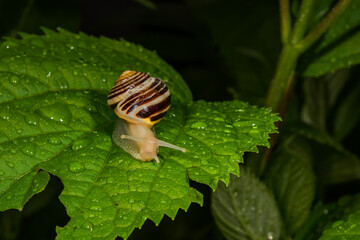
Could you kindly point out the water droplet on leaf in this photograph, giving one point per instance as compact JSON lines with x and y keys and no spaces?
{"x":54,"y":141}
{"x":95,"y":208}
{"x":31,"y":120}
{"x":76,"y":167}
{"x":235,"y":158}
{"x":29,"y":149}
{"x":199,"y":125}
{"x":82,"y":143}
{"x":10,"y":164}
{"x":14,"y":80}
{"x":57,"y":112}
{"x":255,"y":133}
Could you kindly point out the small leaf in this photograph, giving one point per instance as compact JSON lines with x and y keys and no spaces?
{"x":292,"y":182}
{"x":345,"y":54}
{"x":54,"y":117}
{"x":344,"y":229}
{"x":339,"y":47}
{"x":246,"y":209}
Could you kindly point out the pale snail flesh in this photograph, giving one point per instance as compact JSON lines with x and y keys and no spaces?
{"x":140,"y":101}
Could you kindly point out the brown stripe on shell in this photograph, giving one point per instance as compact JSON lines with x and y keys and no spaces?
{"x":143,"y":99}
{"x":158,"y":117}
{"x":122,"y":88}
{"x":152,"y":96}
{"x":151,"y":110}
{"x":139,"y":95}
{"x":128,"y":81}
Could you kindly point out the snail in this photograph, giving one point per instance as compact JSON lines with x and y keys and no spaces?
{"x":140,"y":101}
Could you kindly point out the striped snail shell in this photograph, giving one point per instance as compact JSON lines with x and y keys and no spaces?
{"x":140,"y":101}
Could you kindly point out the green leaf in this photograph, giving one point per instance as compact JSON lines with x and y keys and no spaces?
{"x":316,"y":135}
{"x":54,"y":117}
{"x":292,"y":182}
{"x":323,"y":216}
{"x":246,"y":209}
{"x":347,"y":229}
{"x":339,"y":47}
{"x":14,"y":193}
{"x":345,"y":54}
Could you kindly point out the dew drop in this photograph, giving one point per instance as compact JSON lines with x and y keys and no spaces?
{"x":31,"y":120}
{"x":29,"y":149}
{"x":219,"y":119}
{"x":92,"y":108}
{"x":54,"y":141}
{"x":13,"y":151}
{"x":255,"y":133}
{"x":243,"y":124}
{"x":199,"y":125}
{"x":57,"y":112}
{"x":80,"y":144}
{"x":10,"y":164}
{"x":14,"y":80}
{"x":95,"y":208}
{"x":235,"y":158}
{"x":76,"y":167}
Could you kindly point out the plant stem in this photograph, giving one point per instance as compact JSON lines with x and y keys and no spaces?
{"x":23,"y":18}
{"x":324,"y":24}
{"x":282,"y":84}
{"x":283,"y":77}
{"x":285,"y":20}
{"x":302,"y":21}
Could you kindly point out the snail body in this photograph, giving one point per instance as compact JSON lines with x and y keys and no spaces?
{"x":140,"y":101}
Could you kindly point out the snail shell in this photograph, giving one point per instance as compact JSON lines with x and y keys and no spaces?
{"x":140,"y":101}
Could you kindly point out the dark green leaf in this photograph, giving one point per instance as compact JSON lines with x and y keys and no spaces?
{"x":54,"y":117}
{"x":292,"y":182}
{"x":246,"y":209}
{"x":345,"y":54}
{"x":316,"y":135}
{"x":340,"y":45}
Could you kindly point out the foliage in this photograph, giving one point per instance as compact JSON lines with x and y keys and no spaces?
{"x":55,"y":120}
{"x":246,"y":209}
